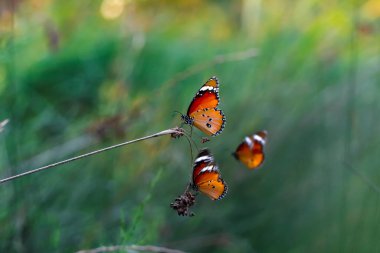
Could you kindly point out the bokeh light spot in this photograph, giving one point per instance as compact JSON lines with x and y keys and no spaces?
{"x":112,"y":9}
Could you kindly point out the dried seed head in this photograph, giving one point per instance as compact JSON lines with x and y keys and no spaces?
{"x":183,"y":203}
{"x":178,"y":132}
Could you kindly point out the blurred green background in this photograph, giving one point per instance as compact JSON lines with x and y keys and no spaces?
{"x":76,"y":76}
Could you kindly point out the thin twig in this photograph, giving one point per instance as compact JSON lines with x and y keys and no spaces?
{"x":165,"y":132}
{"x":131,"y":247}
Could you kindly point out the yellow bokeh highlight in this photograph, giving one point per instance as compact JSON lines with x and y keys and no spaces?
{"x":371,"y":9}
{"x":112,"y":9}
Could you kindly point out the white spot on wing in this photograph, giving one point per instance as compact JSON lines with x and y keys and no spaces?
{"x":259,"y":139}
{"x":207,"y":168}
{"x":249,"y":141}
{"x":207,"y":88}
{"x":203,"y":158}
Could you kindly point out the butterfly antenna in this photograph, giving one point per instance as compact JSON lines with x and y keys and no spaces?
{"x":189,"y":186}
{"x":178,"y":113}
{"x":191,"y":151}
{"x":191,"y":141}
{"x":190,"y":136}
{"x":195,"y":144}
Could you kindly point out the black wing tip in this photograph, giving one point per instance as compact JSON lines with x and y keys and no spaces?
{"x":262,"y":133}
{"x":216,"y":80}
{"x":204,"y":152}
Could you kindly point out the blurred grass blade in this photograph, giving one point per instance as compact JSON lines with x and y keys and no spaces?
{"x":2,"y":124}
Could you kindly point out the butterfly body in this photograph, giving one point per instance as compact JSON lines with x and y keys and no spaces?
{"x":251,"y":151}
{"x":206,"y":176}
{"x":203,"y":112}
{"x":187,"y":120}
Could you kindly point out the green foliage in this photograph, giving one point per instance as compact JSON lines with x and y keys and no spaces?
{"x":66,"y":71}
{"x":136,"y":233}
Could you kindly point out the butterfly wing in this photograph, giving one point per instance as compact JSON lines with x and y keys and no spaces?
{"x":210,"y":121}
{"x":203,"y":110}
{"x":210,"y":183}
{"x":251,"y":151}
{"x":263,"y":134}
{"x":206,"y":176}
{"x":206,"y":98}
{"x":204,"y":158}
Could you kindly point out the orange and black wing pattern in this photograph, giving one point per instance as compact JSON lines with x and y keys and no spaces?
{"x":251,"y":151}
{"x":203,"y":112}
{"x":207,"y":178}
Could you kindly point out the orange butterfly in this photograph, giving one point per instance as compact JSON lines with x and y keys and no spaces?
{"x":251,"y":151}
{"x":206,"y":176}
{"x":203,"y":112}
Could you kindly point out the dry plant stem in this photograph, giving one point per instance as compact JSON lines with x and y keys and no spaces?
{"x":165,"y":132}
{"x":131,"y":247}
